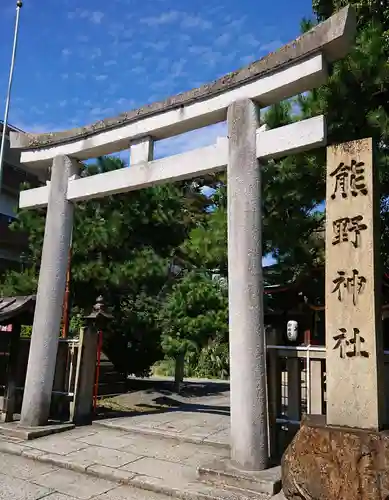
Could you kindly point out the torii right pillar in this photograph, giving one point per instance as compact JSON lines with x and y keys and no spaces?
{"x":345,"y":454}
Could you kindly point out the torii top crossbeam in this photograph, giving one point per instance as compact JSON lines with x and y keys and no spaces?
{"x":294,"y":68}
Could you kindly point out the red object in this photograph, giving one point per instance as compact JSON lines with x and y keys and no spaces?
{"x":307,"y":337}
{"x":99,"y":349}
{"x":65,"y":315}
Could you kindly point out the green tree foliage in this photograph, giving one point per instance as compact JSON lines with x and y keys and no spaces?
{"x":368,"y":11}
{"x":122,"y":247}
{"x":194,"y":315}
{"x":355,"y":102}
{"x":292,"y":188}
{"x":356,"y":98}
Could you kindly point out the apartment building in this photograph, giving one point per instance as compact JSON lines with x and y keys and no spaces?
{"x":12,"y":243}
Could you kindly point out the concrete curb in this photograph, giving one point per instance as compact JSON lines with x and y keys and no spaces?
{"x":163,"y":434}
{"x":135,"y":480}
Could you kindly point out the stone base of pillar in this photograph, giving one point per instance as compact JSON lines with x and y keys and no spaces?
{"x":336,"y":463}
{"x":15,"y":429}
{"x":224,"y":474}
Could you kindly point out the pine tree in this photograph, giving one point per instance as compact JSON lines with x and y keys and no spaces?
{"x":122,"y":249}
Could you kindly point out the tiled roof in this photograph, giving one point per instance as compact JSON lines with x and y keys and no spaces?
{"x":13,"y":306}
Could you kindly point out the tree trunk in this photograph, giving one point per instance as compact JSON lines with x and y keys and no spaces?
{"x":179,"y":372}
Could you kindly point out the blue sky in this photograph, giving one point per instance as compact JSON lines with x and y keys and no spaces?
{"x":82,"y":60}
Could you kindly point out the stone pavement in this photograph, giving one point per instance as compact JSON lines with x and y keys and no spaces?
{"x":108,"y":456}
{"x":24,"y":479}
{"x":192,"y":423}
{"x":157,"y":452}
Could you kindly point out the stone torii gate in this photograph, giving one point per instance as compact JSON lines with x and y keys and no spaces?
{"x":297,"y":67}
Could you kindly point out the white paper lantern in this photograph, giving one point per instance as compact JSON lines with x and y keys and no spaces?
{"x":292,"y":330}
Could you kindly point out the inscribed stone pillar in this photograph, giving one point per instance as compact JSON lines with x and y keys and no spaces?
{"x":249,"y":435}
{"x":355,"y":395}
{"x":50,"y":295}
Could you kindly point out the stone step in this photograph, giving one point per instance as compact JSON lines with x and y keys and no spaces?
{"x":158,"y":433}
{"x":223,"y":474}
{"x":12,"y":430}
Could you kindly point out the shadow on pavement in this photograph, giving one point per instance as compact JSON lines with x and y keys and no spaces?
{"x":148,"y":396}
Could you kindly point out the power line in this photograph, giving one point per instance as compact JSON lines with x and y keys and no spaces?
{"x":19,"y":5}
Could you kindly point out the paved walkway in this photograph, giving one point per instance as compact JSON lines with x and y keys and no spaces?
{"x":193,"y":424}
{"x":149,"y":462}
{"x":96,"y":459}
{"x":23,"y":479}
{"x":200,"y":414}
{"x":157,"y":452}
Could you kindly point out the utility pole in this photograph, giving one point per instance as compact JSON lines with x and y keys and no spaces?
{"x":19,"y":5}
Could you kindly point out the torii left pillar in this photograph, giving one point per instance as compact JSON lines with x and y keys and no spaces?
{"x":50,"y":296}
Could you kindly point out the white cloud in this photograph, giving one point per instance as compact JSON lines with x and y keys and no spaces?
{"x":101,"y":112}
{"x":114,"y":28}
{"x":125,"y":103}
{"x":112,"y":88}
{"x":159,"y":46}
{"x":248,"y":59}
{"x":101,"y":78}
{"x":212,"y":57}
{"x":198,"y":49}
{"x":164,"y":18}
{"x":249,"y":39}
{"x":234,"y":24}
{"x":94,"y":53}
{"x":191,"y":140}
{"x":137,"y":70}
{"x":94,"y":17}
{"x":190,"y":21}
{"x":42,"y":127}
{"x":176,"y":70}
{"x":110,"y":62}
{"x":83,"y":38}
{"x":66,"y":52}
{"x":186,"y":20}
{"x":162,"y":84}
{"x":271,"y":46}
{"x":163,"y":64}
{"x":223,"y":40}
{"x":137,"y":56}
{"x":184,"y":37}
{"x":36,"y":111}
